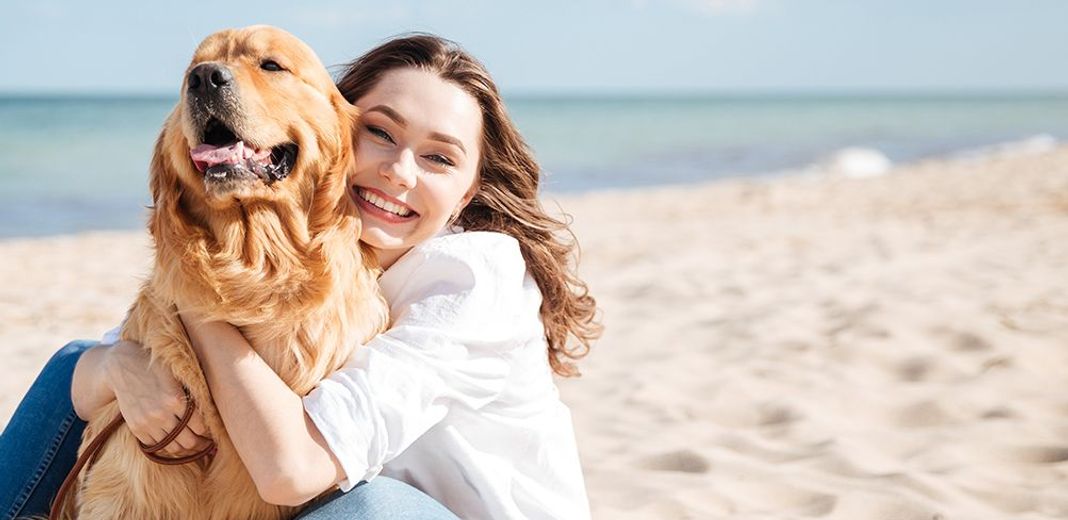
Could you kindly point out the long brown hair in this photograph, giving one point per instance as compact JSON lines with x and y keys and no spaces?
{"x":507,"y":198}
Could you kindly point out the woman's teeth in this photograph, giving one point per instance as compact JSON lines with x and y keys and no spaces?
{"x":383,"y":204}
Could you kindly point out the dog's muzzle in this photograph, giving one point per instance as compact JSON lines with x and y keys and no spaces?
{"x":209,"y":79}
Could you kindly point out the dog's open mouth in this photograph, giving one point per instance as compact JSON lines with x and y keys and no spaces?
{"x":223,"y":156}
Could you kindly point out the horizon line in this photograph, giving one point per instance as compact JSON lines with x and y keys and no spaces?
{"x":587,"y":94}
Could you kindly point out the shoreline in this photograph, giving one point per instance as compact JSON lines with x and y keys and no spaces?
{"x":849,"y":161}
{"x":806,"y":345}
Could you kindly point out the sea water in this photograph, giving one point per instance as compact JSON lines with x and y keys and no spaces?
{"x":73,"y":163}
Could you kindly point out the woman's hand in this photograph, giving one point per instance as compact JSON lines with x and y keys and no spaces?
{"x":151,"y":400}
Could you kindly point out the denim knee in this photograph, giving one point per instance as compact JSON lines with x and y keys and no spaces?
{"x":381,"y":498}
{"x":73,"y":349}
{"x":39,"y":444}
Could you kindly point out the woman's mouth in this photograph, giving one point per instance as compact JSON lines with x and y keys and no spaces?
{"x":375,"y":203}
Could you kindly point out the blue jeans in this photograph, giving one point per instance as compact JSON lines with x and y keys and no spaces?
{"x":40,"y":444}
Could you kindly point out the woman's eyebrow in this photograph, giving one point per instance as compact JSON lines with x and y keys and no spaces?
{"x":437,"y":136}
{"x":390,"y":113}
{"x":399,"y":119}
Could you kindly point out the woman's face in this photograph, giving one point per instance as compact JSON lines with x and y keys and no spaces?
{"x":417,"y":154}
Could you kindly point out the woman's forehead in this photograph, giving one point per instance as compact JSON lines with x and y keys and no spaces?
{"x":427,"y":103}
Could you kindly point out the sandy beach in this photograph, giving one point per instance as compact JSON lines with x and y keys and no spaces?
{"x":813,"y":346}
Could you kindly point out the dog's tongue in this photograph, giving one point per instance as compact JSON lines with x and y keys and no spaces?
{"x":205,"y":156}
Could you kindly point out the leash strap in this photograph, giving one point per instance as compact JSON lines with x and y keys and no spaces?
{"x":92,"y":452}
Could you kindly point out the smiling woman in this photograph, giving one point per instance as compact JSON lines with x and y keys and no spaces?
{"x":413,"y":174}
{"x":455,"y":400}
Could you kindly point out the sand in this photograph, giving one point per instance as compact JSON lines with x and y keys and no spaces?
{"x":812,"y":346}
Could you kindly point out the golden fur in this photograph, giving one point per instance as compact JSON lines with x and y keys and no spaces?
{"x":279,"y":261}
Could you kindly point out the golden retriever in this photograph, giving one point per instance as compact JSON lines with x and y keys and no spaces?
{"x":253,"y":225}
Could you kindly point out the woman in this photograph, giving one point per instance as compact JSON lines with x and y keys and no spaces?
{"x":450,"y":411}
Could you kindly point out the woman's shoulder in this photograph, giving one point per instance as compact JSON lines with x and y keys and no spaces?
{"x":483,"y":253}
{"x":470,"y":277}
{"x":462,"y":260}
{"x":473,"y":244}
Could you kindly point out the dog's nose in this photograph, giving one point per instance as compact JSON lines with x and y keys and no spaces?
{"x":209,"y":77}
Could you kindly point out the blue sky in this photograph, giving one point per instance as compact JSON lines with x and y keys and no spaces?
{"x":592,"y":46}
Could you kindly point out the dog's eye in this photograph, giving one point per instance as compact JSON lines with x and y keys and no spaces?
{"x":271,"y":65}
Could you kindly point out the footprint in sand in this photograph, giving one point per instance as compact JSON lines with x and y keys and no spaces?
{"x":765,"y":452}
{"x":772,"y":414}
{"x":1034,"y":454}
{"x":1052,"y":504}
{"x":755,"y":415}
{"x":968,"y":342}
{"x":1037,"y":454}
{"x":882,"y":506}
{"x":921,"y":414}
{"x":999,"y":412}
{"x":962,"y":341}
{"x":915,"y":369}
{"x":782,"y":499}
{"x":684,"y":461}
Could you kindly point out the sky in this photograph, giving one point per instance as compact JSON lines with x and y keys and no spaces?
{"x":573,"y":47}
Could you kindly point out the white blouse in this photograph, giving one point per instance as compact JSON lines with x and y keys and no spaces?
{"x":457,"y":397}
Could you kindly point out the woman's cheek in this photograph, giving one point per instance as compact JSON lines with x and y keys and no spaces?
{"x":439,"y":198}
{"x":364,"y":153}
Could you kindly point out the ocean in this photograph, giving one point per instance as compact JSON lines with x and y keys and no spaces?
{"x":75,"y":163}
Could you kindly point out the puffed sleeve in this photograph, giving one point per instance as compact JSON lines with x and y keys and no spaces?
{"x":457,"y":308}
{"x":112,"y":335}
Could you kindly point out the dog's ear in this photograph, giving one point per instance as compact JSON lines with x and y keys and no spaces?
{"x":348,"y":116}
{"x":168,"y":221}
{"x":331,"y":205}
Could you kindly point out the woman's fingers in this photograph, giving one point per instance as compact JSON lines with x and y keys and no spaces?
{"x":151,"y":427}
{"x":196,"y":423}
{"x":186,"y":443}
{"x":148,"y":438}
{"x":152,"y":401}
{"x":194,"y":436}
{"x":156,"y":425}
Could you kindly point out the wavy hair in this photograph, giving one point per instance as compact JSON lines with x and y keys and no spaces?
{"x":507,"y":197}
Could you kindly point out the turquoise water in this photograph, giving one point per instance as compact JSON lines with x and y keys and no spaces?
{"x":69,"y":164}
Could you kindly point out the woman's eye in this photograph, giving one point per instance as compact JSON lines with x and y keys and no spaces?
{"x":440,"y":159}
{"x":271,"y":65}
{"x":378,"y":132}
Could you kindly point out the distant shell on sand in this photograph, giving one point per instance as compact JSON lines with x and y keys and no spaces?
{"x":857,"y":162}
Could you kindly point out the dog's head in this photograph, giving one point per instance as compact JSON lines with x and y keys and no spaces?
{"x":249,"y":173}
{"x":251,"y":218}
{"x":259,"y":119}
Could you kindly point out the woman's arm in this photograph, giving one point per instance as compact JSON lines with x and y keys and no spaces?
{"x":285,"y":453}
{"x":149,"y":398}
{"x":465,"y":309}
{"x":89,"y":389}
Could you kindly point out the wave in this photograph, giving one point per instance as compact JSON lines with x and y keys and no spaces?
{"x":1036,"y":144}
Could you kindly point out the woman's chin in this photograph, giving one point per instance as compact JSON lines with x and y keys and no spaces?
{"x":381,"y":239}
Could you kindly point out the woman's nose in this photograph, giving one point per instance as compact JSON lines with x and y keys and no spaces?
{"x":401,"y":170}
